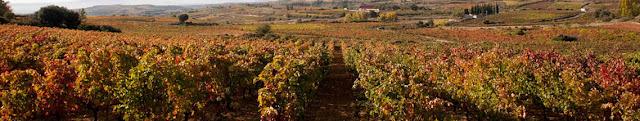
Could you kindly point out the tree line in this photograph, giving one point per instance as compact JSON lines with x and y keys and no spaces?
{"x":485,"y":9}
{"x":53,"y":16}
{"x":629,"y":8}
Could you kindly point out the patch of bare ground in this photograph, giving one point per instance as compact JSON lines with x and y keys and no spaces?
{"x":335,"y":99}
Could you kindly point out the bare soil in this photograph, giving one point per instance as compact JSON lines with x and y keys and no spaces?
{"x":335,"y":99}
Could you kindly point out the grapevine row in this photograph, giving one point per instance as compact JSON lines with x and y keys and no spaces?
{"x":414,"y":83}
{"x":291,"y":80}
{"x":50,"y":74}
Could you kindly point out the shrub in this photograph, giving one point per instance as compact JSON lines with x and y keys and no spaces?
{"x":356,"y":17}
{"x":604,"y":15}
{"x":103,"y":28}
{"x":183,"y":18}
{"x":56,"y":16}
{"x":387,"y":17}
{"x":488,"y":22}
{"x":263,"y":30}
{"x":565,"y":38}
{"x":28,"y":21}
{"x":4,"y":20}
{"x":518,"y":32}
{"x":428,"y":23}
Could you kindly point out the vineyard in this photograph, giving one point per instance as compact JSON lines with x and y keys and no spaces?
{"x":322,"y":70}
{"x":474,"y":83}
{"x":52,"y":74}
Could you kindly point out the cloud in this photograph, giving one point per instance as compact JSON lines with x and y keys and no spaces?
{"x":30,"y":6}
{"x":38,"y":1}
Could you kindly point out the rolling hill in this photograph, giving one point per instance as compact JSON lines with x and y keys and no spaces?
{"x":138,"y":10}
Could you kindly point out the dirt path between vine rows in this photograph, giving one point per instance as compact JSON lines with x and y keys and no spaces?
{"x":335,"y":100}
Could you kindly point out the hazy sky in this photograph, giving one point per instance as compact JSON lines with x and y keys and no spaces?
{"x":30,"y":6}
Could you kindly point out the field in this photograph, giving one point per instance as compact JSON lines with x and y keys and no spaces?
{"x":524,"y":17}
{"x":530,"y":65}
{"x":566,"y":5}
{"x":550,"y":5}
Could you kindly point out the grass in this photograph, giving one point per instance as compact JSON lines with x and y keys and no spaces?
{"x":526,"y":16}
{"x":589,"y":38}
{"x":289,"y":27}
{"x":635,"y":27}
{"x":566,"y":5}
{"x":160,"y":26}
{"x":512,"y":2}
{"x":521,"y":17}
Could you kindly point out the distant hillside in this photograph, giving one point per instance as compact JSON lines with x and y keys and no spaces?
{"x":359,"y":0}
{"x":137,"y":10}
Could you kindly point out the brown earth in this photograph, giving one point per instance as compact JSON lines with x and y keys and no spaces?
{"x":335,"y":100}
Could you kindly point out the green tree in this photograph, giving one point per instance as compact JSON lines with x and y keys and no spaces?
{"x":625,"y":8}
{"x":56,"y":16}
{"x":5,"y":12}
{"x":629,"y":8}
{"x":183,"y":18}
{"x":485,"y":9}
{"x":635,"y":7}
{"x":83,"y":14}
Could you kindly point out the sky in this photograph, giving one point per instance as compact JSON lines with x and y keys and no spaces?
{"x":30,"y":6}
